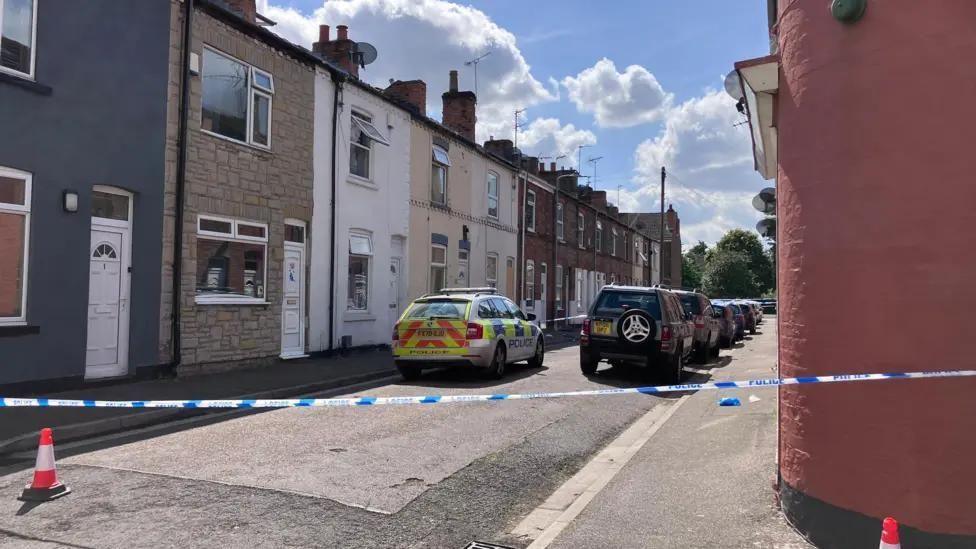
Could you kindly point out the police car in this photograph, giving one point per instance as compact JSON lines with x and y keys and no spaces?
{"x":466,"y":327}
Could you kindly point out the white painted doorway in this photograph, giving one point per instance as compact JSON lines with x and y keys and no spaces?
{"x":542,"y":311}
{"x":293,"y":292}
{"x":109,"y":261}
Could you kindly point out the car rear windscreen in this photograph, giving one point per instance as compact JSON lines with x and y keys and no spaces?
{"x":445,"y":308}
{"x":690,"y":303}
{"x":617,"y":303}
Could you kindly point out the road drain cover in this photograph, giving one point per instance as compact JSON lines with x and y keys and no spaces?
{"x":485,"y":545}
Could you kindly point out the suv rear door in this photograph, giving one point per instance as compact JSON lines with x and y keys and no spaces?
{"x":610,"y":305}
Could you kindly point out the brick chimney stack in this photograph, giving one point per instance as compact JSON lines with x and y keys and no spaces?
{"x":338,"y":51}
{"x":459,"y":109}
{"x":413,"y":92}
{"x":245,"y":8}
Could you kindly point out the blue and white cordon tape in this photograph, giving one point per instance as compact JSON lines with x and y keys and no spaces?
{"x":443,"y":399}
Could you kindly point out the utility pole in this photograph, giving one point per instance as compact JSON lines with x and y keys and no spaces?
{"x":520,"y":283}
{"x":661,"y":254}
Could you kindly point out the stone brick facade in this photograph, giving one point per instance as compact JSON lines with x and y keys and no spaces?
{"x":235,"y":180}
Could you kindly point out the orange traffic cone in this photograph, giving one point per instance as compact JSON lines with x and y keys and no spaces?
{"x":889,"y":534}
{"x":45,"y":485}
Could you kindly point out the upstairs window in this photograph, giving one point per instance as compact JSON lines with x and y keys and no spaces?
{"x":15,"y":202}
{"x":581,"y":230}
{"x":18,"y":30}
{"x":236,"y":99}
{"x":599,"y":236}
{"x":530,"y":210}
{"x":438,"y":176}
{"x":613,"y":241}
{"x":361,"y":144}
{"x":493,"y":195}
{"x":560,"y":230}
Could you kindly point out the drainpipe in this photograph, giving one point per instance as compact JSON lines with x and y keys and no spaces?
{"x":337,"y":81}
{"x":180,"y":187}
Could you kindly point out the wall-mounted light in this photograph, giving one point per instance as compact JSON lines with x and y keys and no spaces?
{"x":848,"y":11}
{"x":70,"y":201}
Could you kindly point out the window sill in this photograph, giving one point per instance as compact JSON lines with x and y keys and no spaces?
{"x":25,"y":82}
{"x":440,"y":206}
{"x":229,"y":300}
{"x":358,"y":316}
{"x":258,"y":148}
{"x":527,"y":229}
{"x":354,"y":179}
{"x":14,"y":330}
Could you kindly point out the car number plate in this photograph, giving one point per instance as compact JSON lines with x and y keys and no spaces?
{"x":430,"y":333}
{"x":601,"y":327}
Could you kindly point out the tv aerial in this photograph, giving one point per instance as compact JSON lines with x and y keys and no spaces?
{"x":363,"y":53}
{"x":474,"y":62}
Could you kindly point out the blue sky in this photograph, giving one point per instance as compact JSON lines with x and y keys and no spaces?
{"x":639,"y":80}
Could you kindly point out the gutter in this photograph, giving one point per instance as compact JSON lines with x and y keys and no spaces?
{"x":337,"y":79}
{"x":184,"y":116}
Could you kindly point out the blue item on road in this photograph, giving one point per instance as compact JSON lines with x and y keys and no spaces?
{"x":729,"y":401}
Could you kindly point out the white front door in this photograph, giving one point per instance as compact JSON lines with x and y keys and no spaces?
{"x":293,"y":303}
{"x":108,"y":311}
{"x":394,"y":290}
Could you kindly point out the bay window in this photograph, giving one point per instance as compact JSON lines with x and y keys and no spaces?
{"x":15,"y":201}
{"x":231,"y":261}
{"x":236,"y":99}
{"x":360,"y":253}
{"x":18,"y":31}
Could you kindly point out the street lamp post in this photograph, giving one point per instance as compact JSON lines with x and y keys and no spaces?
{"x":555,"y":235}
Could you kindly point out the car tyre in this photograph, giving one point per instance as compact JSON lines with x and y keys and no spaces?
{"x":587,"y":365}
{"x":410,"y":373}
{"x":539,"y":356}
{"x":675,"y":372}
{"x":496,"y":370}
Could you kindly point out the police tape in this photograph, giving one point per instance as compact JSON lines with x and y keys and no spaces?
{"x":444,"y":399}
{"x":563,"y":318}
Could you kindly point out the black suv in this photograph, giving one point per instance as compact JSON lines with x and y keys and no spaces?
{"x":636,"y":325}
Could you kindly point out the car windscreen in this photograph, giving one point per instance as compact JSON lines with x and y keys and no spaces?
{"x":440,"y":308}
{"x":690,"y":303}
{"x":617,"y":303}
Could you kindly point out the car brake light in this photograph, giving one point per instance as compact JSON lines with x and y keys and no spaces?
{"x":396,"y":333}
{"x":700,"y":321}
{"x":666,"y":333}
{"x":585,"y":332}
{"x":475,"y":331}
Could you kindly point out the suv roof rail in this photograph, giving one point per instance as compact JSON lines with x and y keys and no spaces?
{"x":481,"y":290}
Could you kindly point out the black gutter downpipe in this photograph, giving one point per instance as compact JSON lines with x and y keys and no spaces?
{"x":337,"y":80}
{"x":180,"y":187}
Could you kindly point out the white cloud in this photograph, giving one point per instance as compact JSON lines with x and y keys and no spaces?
{"x":425,"y":39}
{"x":548,"y":137}
{"x":618,"y":99}
{"x":709,"y":158}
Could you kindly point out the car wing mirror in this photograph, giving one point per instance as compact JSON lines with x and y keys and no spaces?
{"x":530,"y":316}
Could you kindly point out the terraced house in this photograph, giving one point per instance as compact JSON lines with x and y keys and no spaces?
{"x":238,"y":189}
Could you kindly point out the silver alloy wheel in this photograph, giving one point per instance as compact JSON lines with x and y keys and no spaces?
{"x":636,"y":328}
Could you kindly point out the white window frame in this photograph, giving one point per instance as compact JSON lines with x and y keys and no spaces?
{"x":444,"y":164}
{"x":357,"y":117}
{"x":530,"y":202}
{"x":23,"y":210}
{"x":581,"y":230}
{"x":598,"y":236}
{"x":560,"y":224}
{"x":443,"y":266}
{"x":357,"y":233}
{"x":252,"y":90}
{"x":559,"y":287}
{"x":491,"y":278}
{"x":529,"y":296}
{"x":33,"y":52}
{"x":495,"y":196}
{"x":613,"y":241}
{"x":233,"y":236}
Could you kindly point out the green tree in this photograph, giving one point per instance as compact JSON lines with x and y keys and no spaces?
{"x":697,"y":254}
{"x":691,"y":273}
{"x":728,"y":274}
{"x":748,"y":244}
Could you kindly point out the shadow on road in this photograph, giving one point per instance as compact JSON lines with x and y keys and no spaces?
{"x":464,"y":378}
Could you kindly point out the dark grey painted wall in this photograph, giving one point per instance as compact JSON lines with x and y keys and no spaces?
{"x":103,"y":123}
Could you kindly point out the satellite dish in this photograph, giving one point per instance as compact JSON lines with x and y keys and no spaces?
{"x":363,"y":53}
{"x":767,"y":227}
{"x":733,"y":86}
{"x":765,"y":201}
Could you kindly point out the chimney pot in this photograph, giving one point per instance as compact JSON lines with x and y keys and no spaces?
{"x":323,"y":34}
{"x":246,"y":8}
{"x":342,"y":32}
{"x":454,"y":81}
{"x":552,"y":166}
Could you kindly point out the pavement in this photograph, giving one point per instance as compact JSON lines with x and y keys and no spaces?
{"x":20,"y":426}
{"x":430,"y":476}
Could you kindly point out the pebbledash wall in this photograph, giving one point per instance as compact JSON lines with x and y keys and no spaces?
{"x":94,"y":113}
{"x":238,"y":182}
{"x":876,"y":201}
